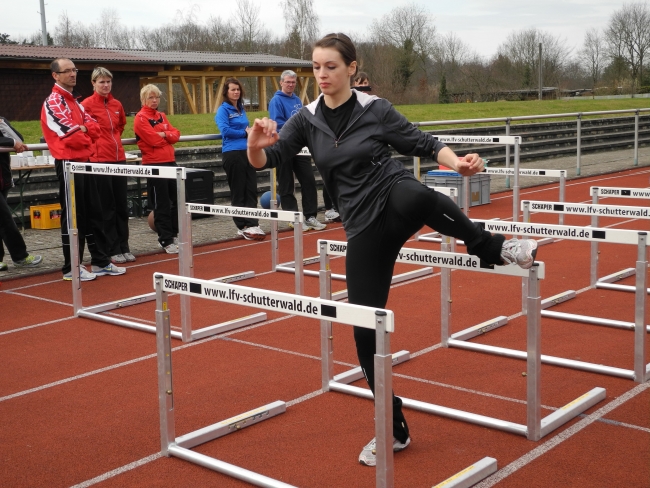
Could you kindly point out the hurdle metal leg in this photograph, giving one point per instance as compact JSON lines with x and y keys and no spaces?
{"x":640,"y":310}
{"x":383,"y":404}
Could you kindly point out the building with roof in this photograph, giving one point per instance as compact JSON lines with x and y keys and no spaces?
{"x":193,"y":80}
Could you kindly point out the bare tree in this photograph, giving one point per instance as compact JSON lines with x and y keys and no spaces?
{"x":301,"y":23}
{"x":592,"y":54}
{"x":249,"y":24}
{"x":521,"y":48}
{"x":628,"y":37}
{"x":410,"y":29}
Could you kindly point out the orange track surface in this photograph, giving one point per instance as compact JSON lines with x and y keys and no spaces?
{"x":79,"y":401}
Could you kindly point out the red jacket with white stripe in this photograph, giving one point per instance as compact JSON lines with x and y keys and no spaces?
{"x":61,"y":118}
{"x":155,"y":149}
{"x":109,"y":114}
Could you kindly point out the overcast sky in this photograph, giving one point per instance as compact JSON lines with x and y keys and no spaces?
{"x":481,"y":24}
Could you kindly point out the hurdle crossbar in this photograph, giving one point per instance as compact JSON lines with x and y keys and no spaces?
{"x":536,"y":426}
{"x":620,"y":192}
{"x":185,"y":262}
{"x":641,"y":372}
{"x":382,"y":321}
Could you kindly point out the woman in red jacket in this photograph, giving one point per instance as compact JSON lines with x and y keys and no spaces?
{"x":110,"y":116}
{"x":156,"y":138}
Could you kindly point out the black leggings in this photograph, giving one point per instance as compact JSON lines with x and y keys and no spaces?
{"x":371,"y":259}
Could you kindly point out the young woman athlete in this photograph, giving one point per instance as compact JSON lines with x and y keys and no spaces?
{"x":381,"y":204}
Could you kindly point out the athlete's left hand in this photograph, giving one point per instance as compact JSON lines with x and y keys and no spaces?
{"x":470,"y":164}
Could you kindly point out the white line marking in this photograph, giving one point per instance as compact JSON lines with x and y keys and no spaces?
{"x":115,"y":472}
{"x":35,"y":325}
{"x":529,"y":457}
{"x":39,"y":298}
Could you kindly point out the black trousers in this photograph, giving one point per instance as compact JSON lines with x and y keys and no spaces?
{"x":327,"y":200}
{"x":162,"y":200}
{"x":242,"y":180}
{"x":89,"y":219}
{"x":371,"y":259}
{"x":115,"y":213}
{"x":300,"y":166}
{"x":9,"y":233}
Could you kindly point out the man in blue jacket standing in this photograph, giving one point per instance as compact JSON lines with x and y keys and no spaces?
{"x":281,"y":107}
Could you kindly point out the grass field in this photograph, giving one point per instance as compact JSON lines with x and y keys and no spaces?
{"x":204,"y":123}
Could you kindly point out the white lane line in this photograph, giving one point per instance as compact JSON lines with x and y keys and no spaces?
{"x":35,"y":325}
{"x":39,"y":298}
{"x":529,"y":457}
{"x":120,"y":470}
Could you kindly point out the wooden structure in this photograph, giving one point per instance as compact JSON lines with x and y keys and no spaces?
{"x":25,"y":78}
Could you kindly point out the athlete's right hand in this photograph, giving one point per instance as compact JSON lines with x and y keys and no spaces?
{"x":263,"y":133}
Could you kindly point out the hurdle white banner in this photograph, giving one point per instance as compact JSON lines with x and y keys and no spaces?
{"x":611,"y":191}
{"x":141,"y":171}
{"x":257,"y":213}
{"x":555,"y":173}
{"x":588,"y":209}
{"x":478,"y":139}
{"x":439,"y":259}
{"x":571,"y":232}
{"x":276,"y":301}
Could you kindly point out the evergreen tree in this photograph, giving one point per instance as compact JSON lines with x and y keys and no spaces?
{"x":443,"y":95}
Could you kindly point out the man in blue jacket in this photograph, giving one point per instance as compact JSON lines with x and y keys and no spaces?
{"x":281,"y":107}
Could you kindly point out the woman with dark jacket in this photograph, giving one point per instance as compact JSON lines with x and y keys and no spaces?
{"x":242,"y":179}
{"x":9,"y":233}
{"x":109,"y":114}
{"x":382,"y":205}
{"x":156,"y":138}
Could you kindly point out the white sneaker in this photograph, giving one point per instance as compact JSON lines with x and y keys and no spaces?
{"x":519,"y":251}
{"x":129,"y":257}
{"x":332,"y":215}
{"x":252,"y":233}
{"x":368,"y":455}
{"x":84,"y":275}
{"x":314,"y":224}
{"x":110,"y":270}
{"x":305,"y":227}
{"x":171,"y":248}
{"x":118,"y":259}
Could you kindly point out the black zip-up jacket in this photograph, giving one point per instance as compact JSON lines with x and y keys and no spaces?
{"x":5,"y":158}
{"x":357,"y":169}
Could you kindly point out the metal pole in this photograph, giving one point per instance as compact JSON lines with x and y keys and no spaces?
{"x":562,"y":194}
{"x":73,"y":236}
{"x":43,"y":24}
{"x":326,"y":337}
{"x":579,"y":143}
{"x":636,"y":138}
{"x":515,"y":188}
{"x":275,"y":250}
{"x":184,"y":257}
{"x":639,"y":310}
{"x":540,"y":70}
{"x":164,"y":352}
{"x":466,"y":191}
{"x":593,"y":267}
{"x":297,"y":254}
{"x":534,"y":358}
{"x":383,"y":403}
{"x":508,"y":152}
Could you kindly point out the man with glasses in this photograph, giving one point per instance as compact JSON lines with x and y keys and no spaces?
{"x":70,"y":132}
{"x":282,"y":106}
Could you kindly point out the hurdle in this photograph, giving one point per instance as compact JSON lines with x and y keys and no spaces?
{"x":536,"y":427}
{"x":273,"y":215}
{"x":382,"y":321}
{"x":185,"y":264}
{"x":641,"y":371}
{"x":594,"y":210}
{"x":491,"y":140}
{"x":314,"y":308}
{"x":607,"y":282}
